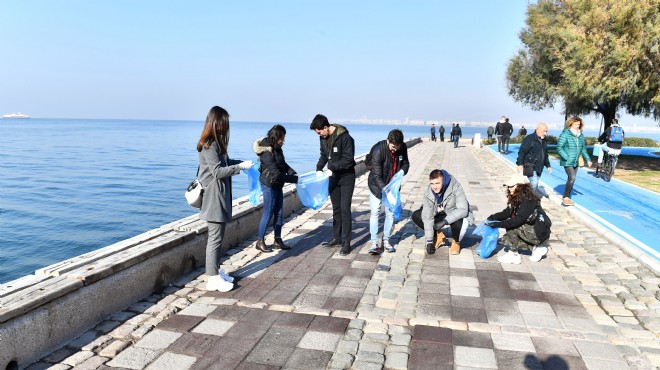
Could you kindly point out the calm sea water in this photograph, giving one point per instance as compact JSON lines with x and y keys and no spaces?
{"x":68,"y":187}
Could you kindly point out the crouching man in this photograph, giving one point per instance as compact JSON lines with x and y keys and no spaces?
{"x":444,"y":203}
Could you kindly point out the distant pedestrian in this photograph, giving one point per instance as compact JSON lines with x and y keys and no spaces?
{"x":338,"y":151}
{"x":507,"y":131}
{"x":522,"y":131}
{"x":275,"y":172}
{"x":533,"y":156}
{"x":490,"y":132}
{"x":443,"y":203}
{"x":433,"y":132}
{"x":442,"y":133}
{"x":456,"y":133}
{"x":388,"y":157}
{"x":451,"y":133}
{"x":572,"y":150}
{"x":499,"y":129}
{"x":215,"y":172}
{"x":525,"y":229}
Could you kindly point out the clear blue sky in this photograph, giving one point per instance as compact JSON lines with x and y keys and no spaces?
{"x":262,"y":60}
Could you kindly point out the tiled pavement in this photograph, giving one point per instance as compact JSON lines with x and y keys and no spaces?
{"x":586,"y":306}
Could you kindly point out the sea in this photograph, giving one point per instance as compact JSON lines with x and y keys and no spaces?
{"x":70,"y":186}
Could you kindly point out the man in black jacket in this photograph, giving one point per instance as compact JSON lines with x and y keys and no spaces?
{"x":507,"y":131}
{"x":533,"y":153}
{"x":338,"y":151}
{"x":388,"y":157}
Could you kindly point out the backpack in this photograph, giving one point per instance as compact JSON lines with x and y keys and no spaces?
{"x":367,"y":159}
{"x":616,"y":134}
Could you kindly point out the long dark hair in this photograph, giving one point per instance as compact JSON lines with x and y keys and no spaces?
{"x":522,"y":191}
{"x":275,"y":134}
{"x":216,"y":129}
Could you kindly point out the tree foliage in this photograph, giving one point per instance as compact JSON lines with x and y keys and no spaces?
{"x":594,"y":56}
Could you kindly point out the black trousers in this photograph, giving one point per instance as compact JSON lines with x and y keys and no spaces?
{"x":455,"y":227}
{"x":341,"y":193}
{"x":442,"y":136}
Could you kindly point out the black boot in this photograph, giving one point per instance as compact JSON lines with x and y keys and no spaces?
{"x":345,"y":249}
{"x":279,"y":244}
{"x":332,"y":243}
{"x":261,"y":245}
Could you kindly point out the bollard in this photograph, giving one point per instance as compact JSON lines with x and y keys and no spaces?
{"x":477,"y":140}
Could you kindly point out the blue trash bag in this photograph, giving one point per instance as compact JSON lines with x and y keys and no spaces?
{"x":392,"y":195}
{"x":312,"y":189}
{"x":254,"y":185}
{"x":488,"y":241}
{"x":596,"y":149}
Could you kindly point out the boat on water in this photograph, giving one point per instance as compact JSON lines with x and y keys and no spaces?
{"x":16,"y":115}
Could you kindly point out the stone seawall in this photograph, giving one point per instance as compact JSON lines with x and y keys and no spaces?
{"x":39,"y":313}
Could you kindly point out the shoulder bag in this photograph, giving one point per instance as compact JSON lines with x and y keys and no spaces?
{"x":195,"y":192}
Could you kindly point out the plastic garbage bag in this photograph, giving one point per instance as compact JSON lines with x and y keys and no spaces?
{"x":488,"y":241}
{"x":392,"y":195}
{"x":254,"y":185}
{"x":596,"y":149}
{"x":312,"y":189}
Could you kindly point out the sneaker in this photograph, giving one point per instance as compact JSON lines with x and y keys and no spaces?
{"x":225,"y":276}
{"x":215,"y":283}
{"x":538,"y":252}
{"x":375,"y":249}
{"x":510,"y":257}
{"x":388,"y":247}
{"x":567,"y":202}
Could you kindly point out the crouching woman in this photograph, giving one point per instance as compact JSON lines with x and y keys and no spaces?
{"x":527,"y":226}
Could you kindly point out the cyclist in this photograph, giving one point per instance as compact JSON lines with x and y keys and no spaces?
{"x":611,"y":140}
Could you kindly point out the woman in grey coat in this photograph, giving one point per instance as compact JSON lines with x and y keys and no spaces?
{"x":444,"y":203}
{"x":215,"y":172}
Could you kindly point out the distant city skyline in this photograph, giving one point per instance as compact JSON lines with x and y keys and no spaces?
{"x":265,"y":61}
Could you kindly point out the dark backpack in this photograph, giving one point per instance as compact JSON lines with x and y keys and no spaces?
{"x":616,"y":134}
{"x":367,"y":159}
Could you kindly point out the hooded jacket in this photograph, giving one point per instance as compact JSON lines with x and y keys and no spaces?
{"x":381,"y":166}
{"x":275,"y":172}
{"x":453,"y":202}
{"x":338,"y":151}
{"x":512,"y":219}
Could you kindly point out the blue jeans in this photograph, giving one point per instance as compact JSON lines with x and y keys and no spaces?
{"x":534,"y":182}
{"x":456,"y":137}
{"x":273,"y":201}
{"x":373,"y":220}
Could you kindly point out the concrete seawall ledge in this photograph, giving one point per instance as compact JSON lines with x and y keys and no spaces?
{"x":39,"y":313}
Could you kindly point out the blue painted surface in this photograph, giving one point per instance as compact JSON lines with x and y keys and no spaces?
{"x":626,"y":209}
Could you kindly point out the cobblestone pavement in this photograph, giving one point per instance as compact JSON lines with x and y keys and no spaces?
{"x":587,"y":305}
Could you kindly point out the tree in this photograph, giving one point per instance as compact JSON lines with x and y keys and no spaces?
{"x":594,"y":56}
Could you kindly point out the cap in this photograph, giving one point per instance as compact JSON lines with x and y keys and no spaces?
{"x":516,"y":179}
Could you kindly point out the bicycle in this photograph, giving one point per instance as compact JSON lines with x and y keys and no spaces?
{"x":608,"y":165}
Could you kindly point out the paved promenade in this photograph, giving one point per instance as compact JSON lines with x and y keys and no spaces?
{"x":588,"y":305}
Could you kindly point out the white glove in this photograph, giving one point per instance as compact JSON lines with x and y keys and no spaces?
{"x":328,"y":172}
{"x":245,"y":165}
{"x":319,"y":173}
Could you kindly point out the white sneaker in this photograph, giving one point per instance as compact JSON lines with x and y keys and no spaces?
{"x":538,"y":252}
{"x":225,"y":276}
{"x":216,"y":283}
{"x":510,"y":257}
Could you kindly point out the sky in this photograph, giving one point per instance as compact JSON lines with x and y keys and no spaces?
{"x":273,"y":61}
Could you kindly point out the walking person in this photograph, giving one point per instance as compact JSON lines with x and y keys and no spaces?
{"x":525,"y":229}
{"x":499,"y":129}
{"x":338,"y":152}
{"x":572,"y":151}
{"x":522,"y":131}
{"x":442,"y":133}
{"x":215,"y":172}
{"x":456,"y":134}
{"x":490,"y":131}
{"x":451,"y":133}
{"x":443,"y":203}
{"x":433,"y":132}
{"x":507,"y":131}
{"x":274,"y":173}
{"x":533,"y":156}
{"x":388,"y":157}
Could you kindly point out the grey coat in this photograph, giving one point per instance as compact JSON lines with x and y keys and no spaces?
{"x":454,"y":202}
{"x":215,"y":172}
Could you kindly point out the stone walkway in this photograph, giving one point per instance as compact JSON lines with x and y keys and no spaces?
{"x":587,"y":305}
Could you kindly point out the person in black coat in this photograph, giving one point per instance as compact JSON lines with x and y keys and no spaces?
{"x":274,"y":173}
{"x":499,"y":129}
{"x":533,"y":153}
{"x":507,"y":131}
{"x":388,"y":157}
{"x":338,"y":152}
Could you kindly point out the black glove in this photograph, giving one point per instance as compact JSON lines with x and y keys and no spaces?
{"x":439,"y":225}
{"x":430,"y":249}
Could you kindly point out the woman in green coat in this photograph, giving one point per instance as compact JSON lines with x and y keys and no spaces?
{"x":571,"y":149}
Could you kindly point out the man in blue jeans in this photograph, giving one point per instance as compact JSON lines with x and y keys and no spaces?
{"x":533,"y":154}
{"x":387,"y":158}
